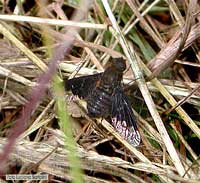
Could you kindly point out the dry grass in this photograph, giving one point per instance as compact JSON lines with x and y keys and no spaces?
{"x":160,"y":41}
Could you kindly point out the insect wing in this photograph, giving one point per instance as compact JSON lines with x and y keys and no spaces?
{"x":83,"y":85}
{"x":123,"y":118}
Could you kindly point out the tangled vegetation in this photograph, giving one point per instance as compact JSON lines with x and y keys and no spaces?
{"x":44,"y":132}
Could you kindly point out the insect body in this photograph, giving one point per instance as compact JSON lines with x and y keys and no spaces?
{"x":105,"y":98}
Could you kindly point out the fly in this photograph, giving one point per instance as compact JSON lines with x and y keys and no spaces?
{"x":105,"y":98}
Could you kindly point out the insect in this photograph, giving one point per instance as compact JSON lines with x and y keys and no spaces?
{"x":105,"y":98}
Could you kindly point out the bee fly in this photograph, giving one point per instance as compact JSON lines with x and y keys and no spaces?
{"x":105,"y":98}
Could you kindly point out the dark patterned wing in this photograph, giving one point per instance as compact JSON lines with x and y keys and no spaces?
{"x":83,"y":85}
{"x":123,"y":118}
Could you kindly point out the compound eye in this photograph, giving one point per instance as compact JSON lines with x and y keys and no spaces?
{"x":119,"y":64}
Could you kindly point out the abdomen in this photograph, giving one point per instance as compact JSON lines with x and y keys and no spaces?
{"x":99,"y":103}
